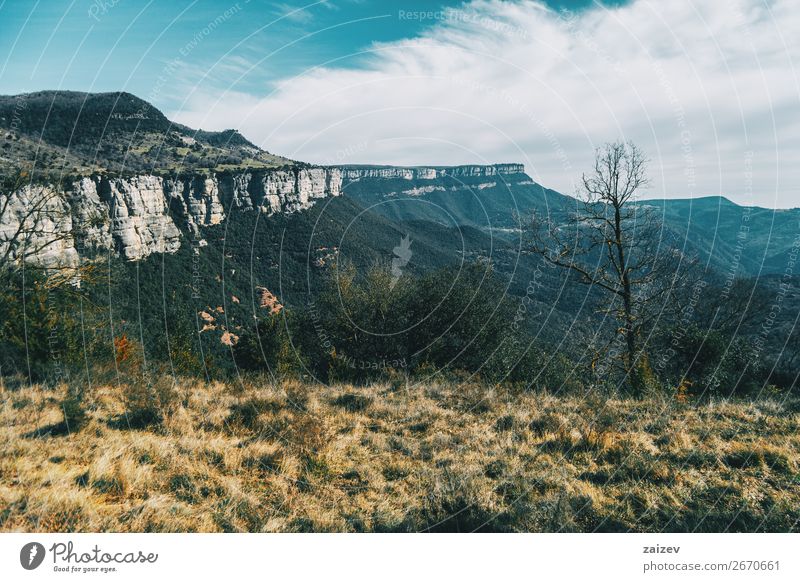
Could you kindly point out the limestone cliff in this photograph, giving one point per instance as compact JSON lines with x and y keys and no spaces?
{"x":140,"y":215}
{"x":351,"y":173}
{"x":134,"y":217}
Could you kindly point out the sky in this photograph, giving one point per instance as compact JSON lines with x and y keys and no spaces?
{"x":708,"y":89}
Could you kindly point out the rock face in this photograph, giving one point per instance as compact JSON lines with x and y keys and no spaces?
{"x":204,"y":201}
{"x":137,"y":216}
{"x":138,"y":219}
{"x":352,"y":173}
{"x":36,"y":226}
{"x":140,"y":215}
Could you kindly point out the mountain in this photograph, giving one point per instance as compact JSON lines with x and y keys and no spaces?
{"x":74,"y":133}
{"x":736,"y":240}
{"x":493,"y":197}
{"x":733,"y":240}
{"x":169,"y":219}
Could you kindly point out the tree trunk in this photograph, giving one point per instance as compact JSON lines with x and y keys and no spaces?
{"x":627,"y":302}
{"x":630,"y":339}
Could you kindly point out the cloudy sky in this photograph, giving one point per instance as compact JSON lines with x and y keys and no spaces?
{"x":709,"y":89}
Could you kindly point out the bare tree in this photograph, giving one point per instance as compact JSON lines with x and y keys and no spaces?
{"x":616,"y":245}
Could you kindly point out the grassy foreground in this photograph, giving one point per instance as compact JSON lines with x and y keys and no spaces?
{"x":440,"y":457}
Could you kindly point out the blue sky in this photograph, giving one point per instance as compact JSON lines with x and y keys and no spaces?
{"x":110,"y":45}
{"x":709,"y":90}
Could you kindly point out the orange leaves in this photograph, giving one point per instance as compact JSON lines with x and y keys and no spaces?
{"x":122,"y":349}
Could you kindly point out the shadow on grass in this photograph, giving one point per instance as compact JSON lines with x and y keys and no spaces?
{"x":58,"y":429}
{"x":139,"y":420}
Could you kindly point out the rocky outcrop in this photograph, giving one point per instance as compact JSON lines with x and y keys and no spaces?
{"x":204,"y":202}
{"x":483,"y":171}
{"x":137,"y":211}
{"x":140,"y":215}
{"x":352,"y":173}
{"x":36,"y":226}
{"x":424,"y":190}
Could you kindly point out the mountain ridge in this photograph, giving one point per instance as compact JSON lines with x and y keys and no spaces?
{"x":57,"y":133}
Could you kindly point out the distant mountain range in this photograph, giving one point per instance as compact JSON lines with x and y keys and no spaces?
{"x":745,"y":241}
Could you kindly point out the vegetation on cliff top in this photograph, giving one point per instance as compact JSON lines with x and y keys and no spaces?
{"x":62,"y":133}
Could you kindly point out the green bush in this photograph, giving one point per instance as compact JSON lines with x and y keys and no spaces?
{"x":46,"y":326}
{"x":713,"y":363}
{"x":375,"y":326}
{"x":148,"y":400}
{"x":73,"y":408}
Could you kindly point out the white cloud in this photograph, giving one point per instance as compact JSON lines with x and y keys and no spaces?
{"x":708,"y":89}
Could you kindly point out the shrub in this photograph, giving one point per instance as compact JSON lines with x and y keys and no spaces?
{"x":148,"y":401}
{"x":268,"y":347}
{"x":353,"y":402}
{"x":713,"y":363}
{"x":374,"y":326}
{"x":245,"y":414}
{"x":73,"y":409}
{"x":42,"y":334}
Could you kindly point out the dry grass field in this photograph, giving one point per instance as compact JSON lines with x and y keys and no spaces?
{"x":439,"y":457}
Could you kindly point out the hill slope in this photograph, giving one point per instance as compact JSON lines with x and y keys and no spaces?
{"x":728,"y":238}
{"x":742,"y":240}
{"x":68,"y":132}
